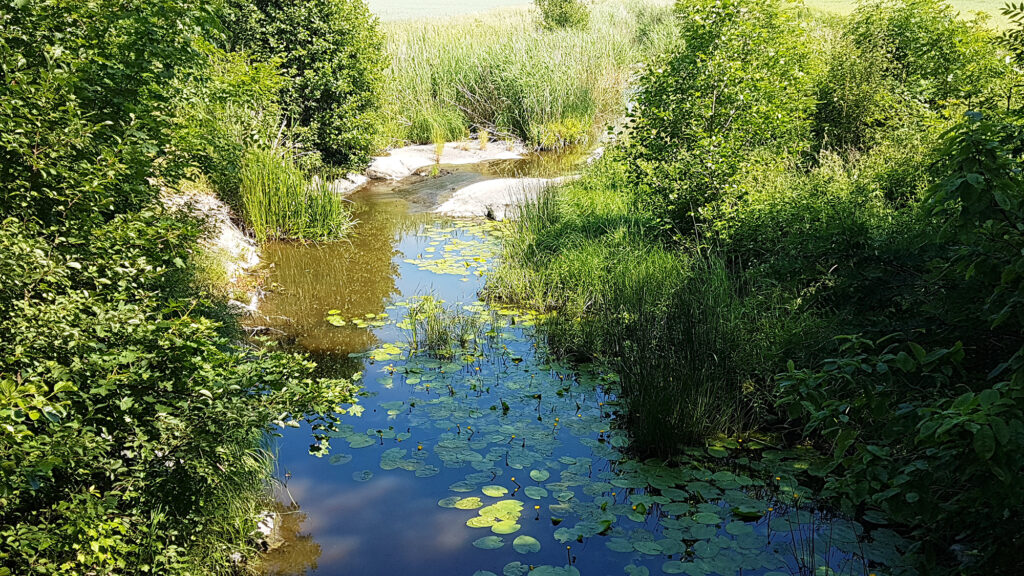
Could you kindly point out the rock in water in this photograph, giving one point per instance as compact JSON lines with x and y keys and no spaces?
{"x":498,"y":199}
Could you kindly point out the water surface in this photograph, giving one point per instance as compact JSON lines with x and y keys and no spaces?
{"x":500,"y":459}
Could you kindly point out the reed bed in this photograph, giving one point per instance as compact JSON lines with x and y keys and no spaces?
{"x":503,"y":73}
{"x":279,"y":201}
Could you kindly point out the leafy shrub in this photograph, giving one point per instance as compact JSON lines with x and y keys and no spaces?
{"x":332,"y":54}
{"x":736,"y":83}
{"x":232,"y":106}
{"x":928,"y":51}
{"x":129,"y":412}
{"x":563,"y":13}
{"x":943,"y":462}
{"x":131,"y":421}
{"x":82,"y":108}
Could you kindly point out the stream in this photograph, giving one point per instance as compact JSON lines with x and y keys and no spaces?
{"x":499,"y":459}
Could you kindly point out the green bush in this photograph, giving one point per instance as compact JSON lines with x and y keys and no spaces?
{"x":557,"y":14}
{"x":736,"y":85}
{"x":930,"y":53}
{"x":132,"y":422}
{"x":332,"y":54}
{"x":232,"y":106}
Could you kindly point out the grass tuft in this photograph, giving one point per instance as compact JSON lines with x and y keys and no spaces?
{"x":279,"y":201}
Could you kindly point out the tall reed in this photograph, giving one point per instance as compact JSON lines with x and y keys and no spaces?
{"x":279,"y":201}
{"x":503,"y":73}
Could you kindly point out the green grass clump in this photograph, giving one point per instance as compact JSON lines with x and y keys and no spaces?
{"x":442,"y":331}
{"x":670,"y":323}
{"x":281,"y":202}
{"x":504,"y":73}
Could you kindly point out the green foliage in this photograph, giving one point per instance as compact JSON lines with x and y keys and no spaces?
{"x":549,"y":88}
{"x":1013,"y":38}
{"x":876,"y":208}
{"x":123,"y":403}
{"x":927,"y":50}
{"x":736,"y":83}
{"x":332,"y":54}
{"x":279,"y":201}
{"x":669,"y":324}
{"x":441,"y":331}
{"x":83,"y":106}
{"x":907,"y":436}
{"x":557,"y":14}
{"x":231,"y":106}
{"x":132,"y":423}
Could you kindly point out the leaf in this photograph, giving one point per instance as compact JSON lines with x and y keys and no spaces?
{"x":448,"y":502}
{"x":673,"y":567}
{"x":526,"y":544}
{"x":718,"y":451}
{"x":984,"y":442}
{"x":539,"y":475}
{"x":619,"y":545}
{"x":535,"y":492}
{"x":489,"y":542}
{"x":469,"y":503}
{"x":706,"y":518}
{"x":505,"y":527}
{"x":494,"y":491}
{"x":651,"y":548}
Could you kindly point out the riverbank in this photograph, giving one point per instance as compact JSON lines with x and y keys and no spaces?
{"x":801,"y":269}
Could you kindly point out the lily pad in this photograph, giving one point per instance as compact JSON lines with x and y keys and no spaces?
{"x":619,"y":545}
{"x":469,"y":503}
{"x":489,"y":542}
{"x":526,"y":544}
{"x":515,"y":569}
{"x":362,"y":475}
{"x":448,"y":502}
{"x":651,"y":548}
{"x":673,"y":567}
{"x":360,"y":441}
{"x":539,"y":475}
{"x":339,"y":459}
{"x":494,"y":491}
{"x":706,"y":518}
{"x":505,"y":527}
{"x":535,"y":492}
{"x":481,"y":522}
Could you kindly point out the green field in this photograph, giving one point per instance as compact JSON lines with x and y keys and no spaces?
{"x":389,"y":10}
{"x":991,"y":7}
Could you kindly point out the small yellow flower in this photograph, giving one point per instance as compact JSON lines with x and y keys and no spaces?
{"x":536,"y":507}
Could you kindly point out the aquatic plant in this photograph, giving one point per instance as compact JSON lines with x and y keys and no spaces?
{"x":279,"y":201}
{"x":442,"y":331}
